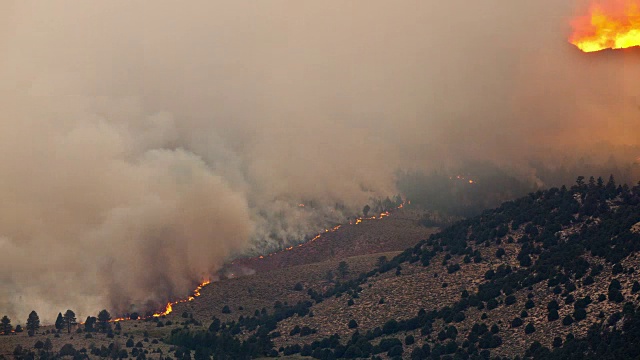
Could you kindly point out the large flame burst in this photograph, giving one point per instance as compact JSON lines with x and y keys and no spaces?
{"x":613,"y":24}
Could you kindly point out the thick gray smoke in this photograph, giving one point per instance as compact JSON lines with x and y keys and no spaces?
{"x":144,"y":142}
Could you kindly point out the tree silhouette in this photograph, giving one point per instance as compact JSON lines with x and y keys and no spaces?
{"x":103,"y":320}
{"x":366,"y":210}
{"x":33,"y":323}
{"x":5,"y":325}
{"x":59,"y":322}
{"x":69,"y":320}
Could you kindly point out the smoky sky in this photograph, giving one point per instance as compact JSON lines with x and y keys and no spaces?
{"x":145,"y":142}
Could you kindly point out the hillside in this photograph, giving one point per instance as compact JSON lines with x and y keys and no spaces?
{"x":550,"y":275}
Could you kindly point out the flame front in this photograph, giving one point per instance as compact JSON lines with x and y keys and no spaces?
{"x":614,"y":24}
{"x":169,"y":307}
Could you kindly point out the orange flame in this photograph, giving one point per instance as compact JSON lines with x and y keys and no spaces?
{"x":169,"y":307}
{"x":615,"y":25}
{"x":334,"y":229}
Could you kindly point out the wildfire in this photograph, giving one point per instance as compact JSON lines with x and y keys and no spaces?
{"x":334,"y":229}
{"x":169,"y":307}
{"x":614,"y":25}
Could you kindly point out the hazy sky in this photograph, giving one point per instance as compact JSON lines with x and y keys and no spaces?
{"x":146,"y":141}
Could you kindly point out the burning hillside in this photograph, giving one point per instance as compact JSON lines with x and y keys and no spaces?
{"x":613,"y":24}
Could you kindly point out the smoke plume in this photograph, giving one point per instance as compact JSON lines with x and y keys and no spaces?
{"x":145,"y":142}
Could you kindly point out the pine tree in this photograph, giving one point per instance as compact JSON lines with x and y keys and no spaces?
{"x":5,"y":325}
{"x":59,"y":322}
{"x":103,"y":320}
{"x":33,"y":323}
{"x":69,"y":320}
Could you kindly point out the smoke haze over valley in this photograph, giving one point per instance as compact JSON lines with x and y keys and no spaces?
{"x":146,"y":142}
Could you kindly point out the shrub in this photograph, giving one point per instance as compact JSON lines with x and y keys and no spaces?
{"x":529,"y":329}
{"x":298,"y":287}
{"x":418,"y":354}
{"x":510,"y":300}
{"x":226,"y":310}
{"x":529,"y":304}
{"x":492,"y":304}
{"x":388,"y":344}
{"x":352,"y":324}
{"x":306,"y":331}
{"x":517,"y":322}
{"x":396,"y":351}
{"x":568,"y":320}
{"x":580,"y":314}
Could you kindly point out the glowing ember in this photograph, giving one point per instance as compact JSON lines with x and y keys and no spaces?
{"x":613,"y":25}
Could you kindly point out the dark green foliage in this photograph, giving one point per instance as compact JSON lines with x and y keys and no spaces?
{"x":5,"y":325}
{"x":529,"y":328}
{"x":103,"y":320}
{"x":557,"y":342}
{"x":69,"y":319}
{"x":409,"y":340}
{"x":226,"y":309}
{"x":59,"y":325}
{"x":67,"y":350}
{"x":579,"y":314}
{"x":567,"y":320}
{"x":529,"y":304}
{"x":33,"y":323}
{"x":453,"y":268}
{"x":352,"y":324}
{"x":418,"y":354}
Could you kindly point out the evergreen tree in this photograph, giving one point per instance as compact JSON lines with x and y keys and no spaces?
{"x":89,"y":324}
{"x":103,"y":320}
{"x":69,"y":320}
{"x":5,"y":325}
{"x":33,"y":323}
{"x":59,"y":322}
